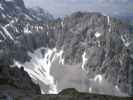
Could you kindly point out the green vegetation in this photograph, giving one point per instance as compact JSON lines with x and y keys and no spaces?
{"x":73,"y":94}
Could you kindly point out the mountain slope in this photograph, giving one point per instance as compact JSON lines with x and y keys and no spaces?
{"x":16,"y":82}
{"x":87,"y":51}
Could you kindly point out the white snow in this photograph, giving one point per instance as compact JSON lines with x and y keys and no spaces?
{"x":98,"y":78}
{"x":39,"y":67}
{"x":42,"y":91}
{"x":98,"y":42}
{"x":62,"y":24}
{"x":40,"y":70}
{"x":108,"y":18}
{"x":16,"y":63}
{"x":10,"y":23}
{"x":37,"y":28}
{"x":60,"y":55}
{"x":90,"y":90}
{"x":109,"y":23}
{"x":41,"y":28}
{"x":7,"y":33}
{"x":1,"y":7}
{"x":126,"y":43}
{"x":97,"y":34}
{"x":44,"y":64}
{"x":26,"y":29}
{"x":117,"y":88}
{"x":84,"y":60}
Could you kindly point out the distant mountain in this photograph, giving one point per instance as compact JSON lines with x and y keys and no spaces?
{"x":40,"y":15}
{"x":87,"y":51}
{"x":127,"y":17}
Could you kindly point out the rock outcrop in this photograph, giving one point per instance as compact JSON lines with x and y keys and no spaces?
{"x":16,"y":82}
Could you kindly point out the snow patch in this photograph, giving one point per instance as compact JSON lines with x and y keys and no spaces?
{"x":1,"y":7}
{"x":98,"y":78}
{"x":26,"y":29}
{"x":62,"y":24}
{"x":10,"y":23}
{"x":125,"y":41}
{"x":39,"y":67}
{"x":117,"y":88}
{"x":109,"y":23}
{"x":97,"y":34}
{"x":60,"y":55}
{"x":42,"y":91}
{"x":108,"y":18}
{"x":90,"y":90}
{"x":84,"y":60}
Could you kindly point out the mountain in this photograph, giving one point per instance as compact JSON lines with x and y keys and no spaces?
{"x":87,"y":51}
{"x":16,"y":82}
{"x":127,"y":17}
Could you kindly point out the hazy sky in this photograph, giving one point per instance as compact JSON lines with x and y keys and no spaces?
{"x":65,"y":7}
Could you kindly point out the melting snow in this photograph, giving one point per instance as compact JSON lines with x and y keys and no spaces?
{"x":60,"y":55}
{"x":126,"y":43}
{"x":1,"y":7}
{"x":117,"y":88}
{"x":90,"y":90}
{"x":41,"y":65}
{"x":108,"y":20}
{"x":98,"y":78}
{"x":42,"y":92}
{"x":10,"y":24}
{"x":26,"y":29}
{"x":62,"y":24}
{"x":109,"y":23}
{"x":84,"y":60}
{"x":97,"y":34}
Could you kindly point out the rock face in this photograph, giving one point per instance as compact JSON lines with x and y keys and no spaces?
{"x":16,"y":82}
{"x":100,"y":45}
